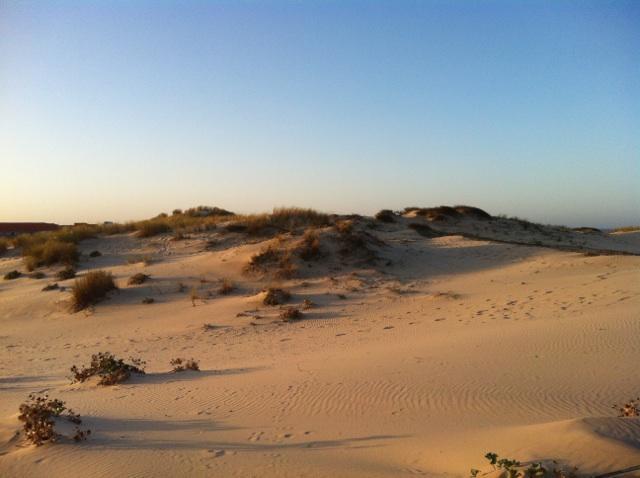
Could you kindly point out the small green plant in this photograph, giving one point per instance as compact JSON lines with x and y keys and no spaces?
{"x":110,"y":369}
{"x":138,"y":278}
{"x":91,"y":289}
{"x":12,"y":275}
{"x":39,"y":414}
{"x":66,"y":273}
{"x":181,"y":365}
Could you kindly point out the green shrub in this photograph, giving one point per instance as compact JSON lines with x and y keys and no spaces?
{"x":110,"y":369}
{"x":91,"y":289}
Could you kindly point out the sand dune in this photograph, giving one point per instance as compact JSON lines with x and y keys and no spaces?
{"x":417,"y":362}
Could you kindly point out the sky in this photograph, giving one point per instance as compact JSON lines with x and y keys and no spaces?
{"x":124,"y":109}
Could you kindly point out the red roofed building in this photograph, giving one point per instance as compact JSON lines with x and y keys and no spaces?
{"x":15,"y":228}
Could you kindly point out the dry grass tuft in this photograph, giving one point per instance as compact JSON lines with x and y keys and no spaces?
{"x":344,"y":227}
{"x":182,"y":365}
{"x":95,"y":254}
{"x":148,"y":300}
{"x":110,"y":369}
{"x":309,"y":248}
{"x":12,"y":275}
{"x":49,"y":287}
{"x":50,"y":252}
{"x":629,"y":409}
{"x":138,"y":279}
{"x":91,"y":289}
{"x":39,"y":415}
{"x":4,"y":245}
{"x":289,"y":314}
{"x":276,"y":296}
{"x":37,"y":275}
{"x":66,"y":273}
{"x":226,"y":287}
{"x":152,"y":227}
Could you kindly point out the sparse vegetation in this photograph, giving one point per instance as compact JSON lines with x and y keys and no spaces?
{"x":152,"y":227}
{"x":95,"y":254}
{"x":92,"y":288}
{"x":310,"y":247}
{"x":4,"y":245}
{"x":138,"y":279}
{"x":627,"y":229}
{"x":226,"y":287}
{"x":423,"y":229}
{"x":66,"y":273}
{"x":308,"y":304}
{"x":12,"y":275}
{"x":473,"y":212}
{"x":629,"y":409}
{"x":108,"y":368}
{"x":52,"y":251}
{"x":181,"y":365}
{"x":37,"y":275}
{"x":289,"y":314}
{"x":148,"y":300}
{"x":39,"y":414}
{"x":385,"y":215}
{"x":49,"y":287}
{"x":510,"y":468}
{"x":276,"y":296}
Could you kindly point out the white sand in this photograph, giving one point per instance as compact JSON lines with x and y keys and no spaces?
{"x":458,"y":348}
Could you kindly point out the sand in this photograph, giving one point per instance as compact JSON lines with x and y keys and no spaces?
{"x":447,"y":348}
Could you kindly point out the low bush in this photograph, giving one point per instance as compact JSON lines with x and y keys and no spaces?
{"x":423,"y":229}
{"x":511,"y":468}
{"x":49,"y":287}
{"x":39,"y":414}
{"x":148,"y":300}
{"x":386,"y":215}
{"x":138,"y":279}
{"x":289,"y":314}
{"x":474,"y":212}
{"x":276,"y":296}
{"x":37,"y":275}
{"x":110,"y":369}
{"x":181,"y":365}
{"x":92,"y":288}
{"x":12,"y":275}
{"x":66,"y":273}
{"x":95,"y":254}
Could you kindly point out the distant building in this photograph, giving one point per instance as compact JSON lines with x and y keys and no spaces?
{"x":16,"y":228}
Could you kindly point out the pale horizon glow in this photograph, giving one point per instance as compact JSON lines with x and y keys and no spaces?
{"x":121,"y":110}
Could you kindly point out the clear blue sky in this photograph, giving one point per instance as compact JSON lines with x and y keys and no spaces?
{"x":120,"y":110}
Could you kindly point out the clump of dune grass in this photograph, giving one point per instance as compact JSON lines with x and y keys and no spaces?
{"x":108,"y":368}
{"x":52,"y":251}
{"x":182,"y":365}
{"x":289,"y":314}
{"x":344,"y":226}
{"x":137,"y":279}
{"x":12,"y":275}
{"x":91,"y":289}
{"x":39,"y":414}
{"x":276,"y":296}
{"x":272,"y":259}
{"x":226,"y":287}
{"x":66,"y":273}
{"x":281,"y":220}
{"x":385,"y":215}
{"x":4,"y":245}
{"x":309,"y":249}
{"x":152,"y":227}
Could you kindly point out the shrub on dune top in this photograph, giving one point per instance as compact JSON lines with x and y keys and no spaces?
{"x":152,"y":227}
{"x":91,"y":289}
{"x":50,"y":252}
